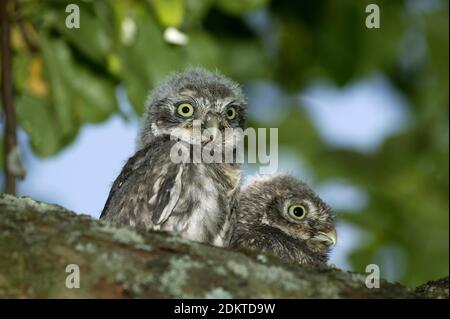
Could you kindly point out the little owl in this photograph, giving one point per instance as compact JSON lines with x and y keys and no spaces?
{"x":194,"y":199}
{"x":283,"y":216}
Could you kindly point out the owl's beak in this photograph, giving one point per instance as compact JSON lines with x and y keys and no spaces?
{"x":212,"y":124}
{"x":329,"y":238}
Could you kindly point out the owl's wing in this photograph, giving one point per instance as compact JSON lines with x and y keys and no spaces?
{"x":132,"y":164}
{"x":168,"y":196}
{"x":147,"y":189}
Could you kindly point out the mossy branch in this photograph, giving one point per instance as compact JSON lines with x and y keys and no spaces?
{"x":38,"y":241}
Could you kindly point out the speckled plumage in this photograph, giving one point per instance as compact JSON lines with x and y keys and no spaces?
{"x":195,"y":200}
{"x":263,"y":222}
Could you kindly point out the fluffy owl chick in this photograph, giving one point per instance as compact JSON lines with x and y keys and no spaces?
{"x":283,"y":216}
{"x":155,"y":191}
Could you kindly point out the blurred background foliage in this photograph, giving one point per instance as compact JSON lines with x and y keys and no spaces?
{"x":65,"y":78}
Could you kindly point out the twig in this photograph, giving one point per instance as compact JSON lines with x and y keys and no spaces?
{"x":10,"y":138}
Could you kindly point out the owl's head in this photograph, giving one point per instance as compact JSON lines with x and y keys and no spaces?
{"x":298,"y":221}
{"x":195,"y":95}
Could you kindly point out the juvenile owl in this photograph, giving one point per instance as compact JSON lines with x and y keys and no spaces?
{"x":283,"y":216}
{"x":155,"y":190}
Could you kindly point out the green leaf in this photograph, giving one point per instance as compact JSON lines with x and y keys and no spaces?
{"x":77,"y":94}
{"x":202,"y":49}
{"x":57,"y":59}
{"x":91,"y":38}
{"x":146,"y":61}
{"x":94,"y":97}
{"x":90,"y":97}
{"x":20,"y":70}
{"x":196,"y":10}
{"x":170,"y":13}
{"x":38,"y":120}
{"x":245,"y":59}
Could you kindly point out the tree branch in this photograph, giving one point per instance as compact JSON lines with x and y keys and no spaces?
{"x":10,"y":137}
{"x":39,"y":240}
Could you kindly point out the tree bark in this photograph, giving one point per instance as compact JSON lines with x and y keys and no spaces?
{"x":39,"y":240}
{"x":10,"y":137}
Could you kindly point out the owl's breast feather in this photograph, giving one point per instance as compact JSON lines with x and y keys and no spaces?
{"x":210,"y":199}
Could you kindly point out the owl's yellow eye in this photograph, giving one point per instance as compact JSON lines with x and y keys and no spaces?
{"x":231,"y":113}
{"x":297,"y":212}
{"x":185,"y":110}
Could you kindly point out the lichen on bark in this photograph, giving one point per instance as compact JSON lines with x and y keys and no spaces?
{"x":38,"y":240}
